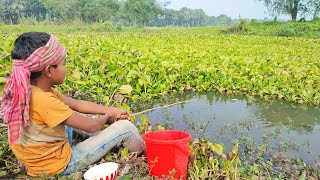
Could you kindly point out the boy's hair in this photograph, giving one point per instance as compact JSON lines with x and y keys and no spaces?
{"x":33,"y":52}
{"x":26,"y":44}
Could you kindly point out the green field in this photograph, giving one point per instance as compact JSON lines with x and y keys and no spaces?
{"x":157,"y":62}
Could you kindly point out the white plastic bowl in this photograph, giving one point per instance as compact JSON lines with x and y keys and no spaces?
{"x":104,"y":171}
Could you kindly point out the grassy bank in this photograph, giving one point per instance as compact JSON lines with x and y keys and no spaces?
{"x":278,"y":29}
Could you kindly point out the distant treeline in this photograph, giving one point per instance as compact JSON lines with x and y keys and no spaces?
{"x":118,"y":12}
{"x":190,"y":18}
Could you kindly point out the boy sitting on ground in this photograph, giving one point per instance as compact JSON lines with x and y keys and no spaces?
{"x":38,"y":115}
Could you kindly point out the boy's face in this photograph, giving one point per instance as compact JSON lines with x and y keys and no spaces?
{"x":58,"y":73}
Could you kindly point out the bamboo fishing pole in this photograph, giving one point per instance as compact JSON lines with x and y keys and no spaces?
{"x":162,"y":107}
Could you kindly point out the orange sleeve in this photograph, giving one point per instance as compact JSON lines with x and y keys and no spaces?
{"x":54,"y":111}
{"x":58,"y":94}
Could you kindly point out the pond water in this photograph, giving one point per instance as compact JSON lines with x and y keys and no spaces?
{"x":284,"y":129}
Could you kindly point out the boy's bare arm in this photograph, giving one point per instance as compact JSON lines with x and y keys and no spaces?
{"x":90,"y":125}
{"x":93,"y":108}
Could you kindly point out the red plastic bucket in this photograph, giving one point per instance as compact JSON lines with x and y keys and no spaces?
{"x":167,"y":153}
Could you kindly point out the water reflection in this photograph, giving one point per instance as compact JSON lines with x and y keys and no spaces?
{"x":294,"y":117}
{"x":223,"y":118}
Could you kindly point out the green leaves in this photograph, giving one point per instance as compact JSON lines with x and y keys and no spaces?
{"x":3,"y":80}
{"x":217,"y":148}
{"x":76,"y":74}
{"x":153,"y":64}
{"x":3,"y":173}
{"x":235,"y":149}
{"x":125,"y":89}
{"x":210,"y":161}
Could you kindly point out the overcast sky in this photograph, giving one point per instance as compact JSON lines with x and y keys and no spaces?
{"x":251,"y":9}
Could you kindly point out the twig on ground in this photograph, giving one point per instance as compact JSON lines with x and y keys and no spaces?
{"x":162,"y":107}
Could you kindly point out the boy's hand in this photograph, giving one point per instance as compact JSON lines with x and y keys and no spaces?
{"x":117,"y":114}
{"x":112,"y":118}
{"x":122,"y":114}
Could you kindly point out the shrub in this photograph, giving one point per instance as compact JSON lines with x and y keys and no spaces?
{"x":242,"y":28}
{"x":29,"y":21}
{"x":286,"y":32}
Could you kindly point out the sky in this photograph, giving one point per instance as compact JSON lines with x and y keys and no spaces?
{"x":251,"y":9}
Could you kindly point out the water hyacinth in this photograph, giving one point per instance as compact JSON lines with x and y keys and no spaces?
{"x":141,"y":66}
{"x":154,"y":64}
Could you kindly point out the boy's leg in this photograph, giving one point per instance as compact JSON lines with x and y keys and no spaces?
{"x":83,"y":133}
{"x":95,"y":147}
{"x":69,"y":131}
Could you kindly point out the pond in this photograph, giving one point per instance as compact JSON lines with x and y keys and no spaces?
{"x":275,"y":128}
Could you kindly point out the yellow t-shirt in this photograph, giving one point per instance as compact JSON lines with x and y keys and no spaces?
{"x":44,"y":146}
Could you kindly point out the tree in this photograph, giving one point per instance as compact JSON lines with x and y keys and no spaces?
{"x":201,"y":17}
{"x":186,"y":16}
{"x":100,"y":10}
{"x":33,"y":8}
{"x":12,"y":11}
{"x":142,"y":11}
{"x":63,"y":9}
{"x":313,"y":8}
{"x":292,"y":7}
{"x":224,"y":19}
{"x":120,"y":12}
{"x":2,"y":11}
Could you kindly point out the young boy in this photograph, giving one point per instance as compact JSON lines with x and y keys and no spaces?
{"x":37,"y":114}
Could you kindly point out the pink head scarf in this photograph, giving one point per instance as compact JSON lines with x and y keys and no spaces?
{"x":16,"y":96}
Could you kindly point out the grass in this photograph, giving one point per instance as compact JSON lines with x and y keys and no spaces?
{"x":280,"y":29}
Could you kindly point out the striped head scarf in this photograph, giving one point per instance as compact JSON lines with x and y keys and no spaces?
{"x":17,"y":91}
